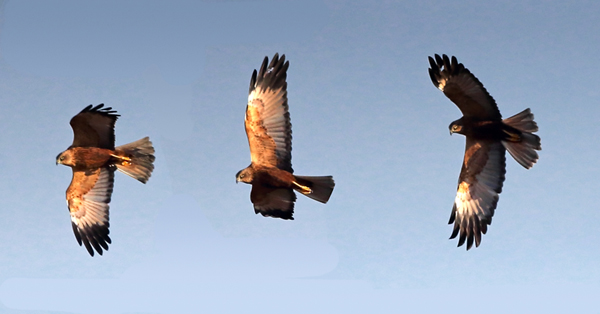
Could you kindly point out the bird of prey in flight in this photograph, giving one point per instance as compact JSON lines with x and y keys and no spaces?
{"x":94,"y":159}
{"x":269,"y":133}
{"x":488,"y":137}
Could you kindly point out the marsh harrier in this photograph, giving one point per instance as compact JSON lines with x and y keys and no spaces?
{"x":269,"y":133}
{"x":488,"y":136}
{"x":94,"y":159}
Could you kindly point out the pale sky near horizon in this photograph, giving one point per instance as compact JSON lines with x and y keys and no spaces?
{"x":363,"y":109}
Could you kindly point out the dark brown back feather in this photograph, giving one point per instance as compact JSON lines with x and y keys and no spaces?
{"x":94,"y":127}
{"x":463,"y":88}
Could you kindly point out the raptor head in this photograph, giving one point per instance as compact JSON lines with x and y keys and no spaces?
{"x":456,"y":127}
{"x":245,"y":175}
{"x":65,"y":158}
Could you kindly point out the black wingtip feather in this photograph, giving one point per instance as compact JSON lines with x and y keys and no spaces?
{"x":274,"y":60}
{"x":272,"y":75}
{"x":108,"y":111}
{"x":433,"y":77}
{"x":96,"y":246}
{"x":454,"y":62}
{"x":469,"y":241}
{"x":96,"y":238}
{"x":431,"y":62}
{"x":76,"y":232}
{"x":476,"y":234}
{"x":88,"y":247}
{"x":454,"y":233}
{"x":470,"y":230}
{"x":252,"y":82}
{"x":276,"y":213}
{"x":452,"y":215}
{"x":450,"y":66}
{"x":263,"y":67}
{"x":462,"y":238}
{"x":446,"y":61}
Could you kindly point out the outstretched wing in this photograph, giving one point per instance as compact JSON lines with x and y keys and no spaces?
{"x":463,"y":88}
{"x":479,"y":186}
{"x":273,"y":202}
{"x":94,"y":127}
{"x":268,"y":123}
{"x":88,"y":197}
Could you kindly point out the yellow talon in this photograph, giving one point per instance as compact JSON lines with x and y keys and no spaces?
{"x":512,"y":136}
{"x":303,"y":189}
{"x":126,"y":161}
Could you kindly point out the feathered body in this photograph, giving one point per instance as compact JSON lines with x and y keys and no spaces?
{"x":94,"y":159}
{"x":269,"y":132}
{"x":488,"y":137}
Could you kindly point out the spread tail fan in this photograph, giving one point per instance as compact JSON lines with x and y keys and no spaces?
{"x":136,"y":159}
{"x":523,"y":150}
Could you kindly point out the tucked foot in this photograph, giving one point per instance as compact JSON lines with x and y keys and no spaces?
{"x":302,"y":189}
{"x":512,"y":137}
{"x":125,"y":161}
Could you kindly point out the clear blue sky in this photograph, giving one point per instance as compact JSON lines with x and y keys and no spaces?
{"x":363,"y":109}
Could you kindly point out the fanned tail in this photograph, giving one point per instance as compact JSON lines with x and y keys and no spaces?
{"x":320,"y":187}
{"x":524,"y":149}
{"x":138,"y":159}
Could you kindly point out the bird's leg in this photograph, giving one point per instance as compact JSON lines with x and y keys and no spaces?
{"x":303,"y":189}
{"x":125,"y":161}
{"x":513,"y":137}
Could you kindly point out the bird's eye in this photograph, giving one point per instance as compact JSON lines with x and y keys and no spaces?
{"x":242,"y":175}
{"x":62,"y":158}
{"x":455,"y":127}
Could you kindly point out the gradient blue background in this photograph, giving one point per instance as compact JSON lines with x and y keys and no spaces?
{"x":363,"y":109}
